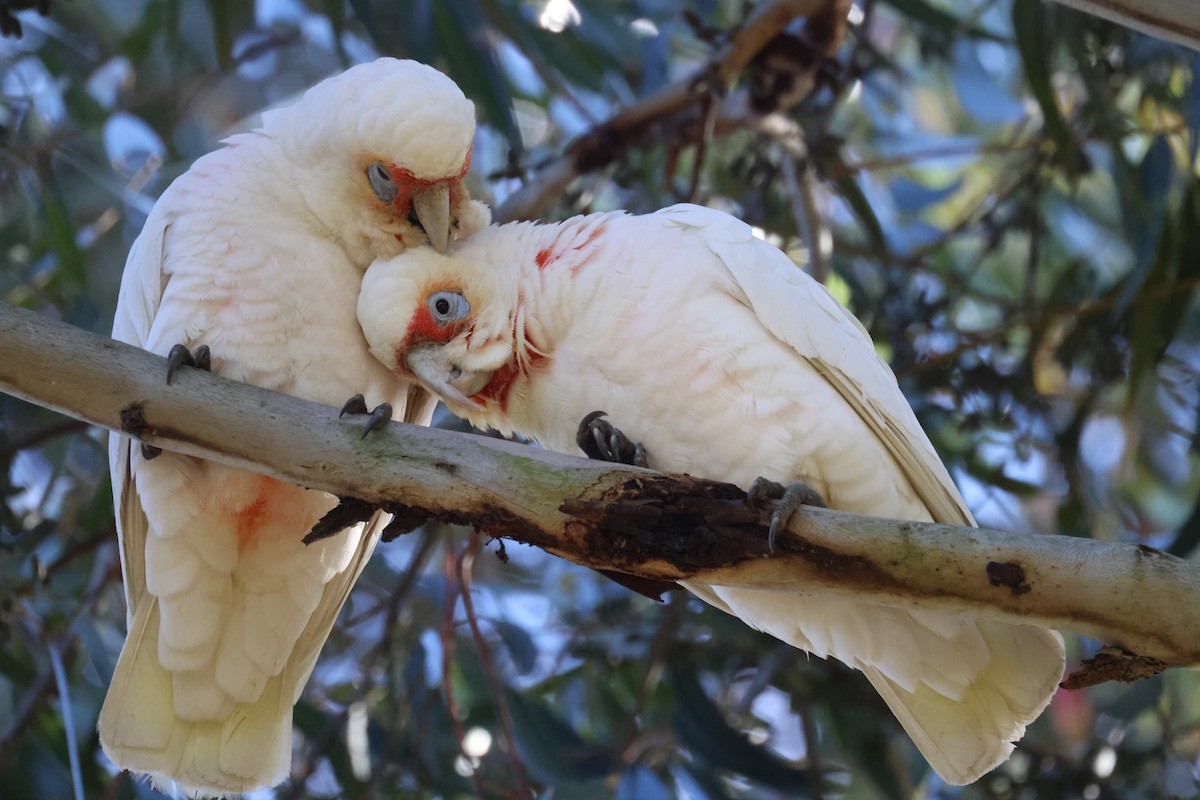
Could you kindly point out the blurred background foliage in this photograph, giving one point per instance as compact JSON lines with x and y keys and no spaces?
{"x":1005,"y":192}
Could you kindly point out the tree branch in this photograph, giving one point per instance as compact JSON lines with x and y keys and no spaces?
{"x":605,"y":516}
{"x":677,"y":105}
{"x":1174,"y":20}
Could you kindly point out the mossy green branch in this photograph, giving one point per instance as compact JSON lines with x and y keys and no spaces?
{"x":624,"y":519}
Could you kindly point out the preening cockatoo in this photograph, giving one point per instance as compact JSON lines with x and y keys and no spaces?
{"x":258,"y":251}
{"x":728,"y":362}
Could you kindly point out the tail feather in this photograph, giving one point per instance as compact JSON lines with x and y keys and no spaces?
{"x":139,"y":729}
{"x":963,"y":688}
{"x":967,"y":737}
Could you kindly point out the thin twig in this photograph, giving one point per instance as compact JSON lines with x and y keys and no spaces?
{"x":465,"y":563}
{"x":106,"y":536}
{"x":606,"y":142}
{"x":812,"y":758}
{"x":671,"y":618}
{"x":42,"y":435}
{"x":408,"y":580}
{"x":839,"y":171}
{"x":68,"y":717}
{"x":453,"y":590}
{"x":43,"y":686}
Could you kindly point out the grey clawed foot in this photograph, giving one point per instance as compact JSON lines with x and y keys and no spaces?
{"x":376,"y":418}
{"x":600,"y":440}
{"x":789,"y":499}
{"x":180,"y":356}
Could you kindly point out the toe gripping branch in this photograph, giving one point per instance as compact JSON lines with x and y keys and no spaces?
{"x":601,"y":441}
{"x":351,"y":511}
{"x":789,"y":500}
{"x":180,"y":356}
{"x":376,"y":418}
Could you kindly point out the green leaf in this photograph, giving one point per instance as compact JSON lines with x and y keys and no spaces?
{"x":1144,"y":218}
{"x":1164,"y":299}
{"x":221,"y":12}
{"x":461,"y":33}
{"x":139,"y":39}
{"x":639,"y":783}
{"x":862,"y":209}
{"x":362,"y":10}
{"x":93,"y":644}
{"x":551,"y":748}
{"x":335,"y":12}
{"x":1188,"y":534}
{"x":1035,"y":46}
{"x":520,"y":645}
{"x":941,"y":22}
{"x":62,"y":235}
{"x":702,"y":727}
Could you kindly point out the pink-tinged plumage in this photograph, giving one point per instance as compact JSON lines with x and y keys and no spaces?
{"x":727,"y":361}
{"x":258,"y":251}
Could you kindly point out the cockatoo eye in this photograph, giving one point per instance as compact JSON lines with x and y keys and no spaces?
{"x":381,"y":183}
{"x":448,"y":307}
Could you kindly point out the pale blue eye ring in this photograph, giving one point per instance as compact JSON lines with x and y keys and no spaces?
{"x":381,"y":183}
{"x":447,"y":307}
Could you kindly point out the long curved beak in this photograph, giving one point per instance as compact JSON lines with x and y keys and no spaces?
{"x":428,"y":363}
{"x":432,"y":207}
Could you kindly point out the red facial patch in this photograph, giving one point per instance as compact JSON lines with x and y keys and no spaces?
{"x":423,"y":328}
{"x":408,"y":184}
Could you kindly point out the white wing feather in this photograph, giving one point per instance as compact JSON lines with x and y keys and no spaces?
{"x":963,"y":689}
{"x":223,"y":639}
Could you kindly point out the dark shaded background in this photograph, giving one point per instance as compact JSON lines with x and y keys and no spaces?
{"x":1005,"y":193}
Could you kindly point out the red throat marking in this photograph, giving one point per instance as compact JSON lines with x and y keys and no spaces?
{"x":498,"y":388}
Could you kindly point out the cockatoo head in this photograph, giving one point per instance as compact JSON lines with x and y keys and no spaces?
{"x":452,"y":322}
{"x":380,"y":153}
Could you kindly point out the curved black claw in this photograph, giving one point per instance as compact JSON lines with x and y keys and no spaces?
{"x":180,"y":356}
{"x":149,"y":451}
{"x":378,"y":417}
{"x":600,"y":440}
{"x":789,"y":499}
{"x":355,"y":405}
{"x":349,"y":511}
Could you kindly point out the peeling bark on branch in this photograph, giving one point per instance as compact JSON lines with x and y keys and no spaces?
{"x":605,"y":516}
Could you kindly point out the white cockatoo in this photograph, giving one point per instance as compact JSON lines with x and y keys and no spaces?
{"x":728,"y":362}
{"x":257,"y":251}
